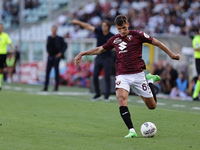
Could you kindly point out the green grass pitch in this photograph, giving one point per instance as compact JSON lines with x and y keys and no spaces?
{"x":31,"y":120}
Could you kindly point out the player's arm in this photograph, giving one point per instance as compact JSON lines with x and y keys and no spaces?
{"x":165,"y":49}
{"x":11,"y":48}
{"x":197,"y":49}
{"x":94,"y":51}
{"x":84,"y":25}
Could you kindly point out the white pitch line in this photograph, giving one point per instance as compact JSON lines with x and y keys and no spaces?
{"x":140,"y":101}
{"x":161,"y":104}
{"x":17,"y":88}
{"x":62,"y":93}
{"x":176,"y":105}
{"x":196,"y":108}
{"x":7,"y":87}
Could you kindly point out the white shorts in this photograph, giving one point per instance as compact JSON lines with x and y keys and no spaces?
{"x":137,"y":82}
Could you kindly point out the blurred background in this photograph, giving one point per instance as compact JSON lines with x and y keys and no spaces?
{"x":29,"y":22}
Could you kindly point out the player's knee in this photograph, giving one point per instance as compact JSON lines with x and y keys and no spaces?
{"x":120,"y":98}
{"x":151,"y":106}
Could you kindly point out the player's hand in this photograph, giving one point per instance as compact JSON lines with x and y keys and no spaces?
{"x":175,"y":57}
{"x":77,"y":59}
{"x":11,"y":51}
{"x":58,"y":55}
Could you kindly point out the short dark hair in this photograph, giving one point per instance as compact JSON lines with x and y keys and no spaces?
{"x":120,"y":20}
{"x":54,"y":26}
{"x":107,"y":23}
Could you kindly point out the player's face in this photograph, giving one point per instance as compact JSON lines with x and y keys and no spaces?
{"x":53,"y":30}
{"x":123,"y":30}
{"x":104,"y":27}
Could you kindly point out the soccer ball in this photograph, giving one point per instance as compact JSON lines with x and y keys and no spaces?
{"x":148,"y":129}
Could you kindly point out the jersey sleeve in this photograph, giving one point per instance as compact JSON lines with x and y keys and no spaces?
{"x":108,"y":45}
{"x":145,"y":38}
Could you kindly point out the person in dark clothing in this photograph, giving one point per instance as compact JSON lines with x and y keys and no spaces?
{"x":55,"y":49}
{"x":102,"y":61}
{"x":169,"y":79}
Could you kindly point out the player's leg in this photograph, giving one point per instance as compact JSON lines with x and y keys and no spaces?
{"x":197,"y":86}
{"x":122,"y":96}
{"x":1,"y":76}
{"x":141,"y":87}
{"x":48,"y":70}
{"x":151,"y":79}
{"x":56,"y":67}
{"x":107,"y":71}
{"x":150,"y":102}
{"x":2,"y":63}
{"x":122,"y":92}
{"x":96,"y":72}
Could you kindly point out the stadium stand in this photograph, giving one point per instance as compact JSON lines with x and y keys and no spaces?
{"x":34,"y":11}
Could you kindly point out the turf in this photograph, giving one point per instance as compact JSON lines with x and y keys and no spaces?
{"x":32,"y":121}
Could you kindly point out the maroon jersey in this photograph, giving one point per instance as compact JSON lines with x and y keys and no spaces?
{"x":128,"y":51}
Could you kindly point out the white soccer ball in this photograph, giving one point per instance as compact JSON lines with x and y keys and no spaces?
{"x":148,"y":129}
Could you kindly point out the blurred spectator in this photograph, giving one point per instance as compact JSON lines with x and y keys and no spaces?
{"x":77,"y":75}
{"x":62,"y":19}
{"x":155,"y":16}
{"x":158,"y":68}
{"x":168,"y":79}
{"x":163,"y":16}
{"x":181,"y":88}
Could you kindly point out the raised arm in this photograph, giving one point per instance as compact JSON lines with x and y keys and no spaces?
{"x":84,"y":25}
{"x":165,"y":49}
{"x":94,"y":51}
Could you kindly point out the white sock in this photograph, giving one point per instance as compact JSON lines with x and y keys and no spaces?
{"x":150,"y":81}
{"x":132,"y":129}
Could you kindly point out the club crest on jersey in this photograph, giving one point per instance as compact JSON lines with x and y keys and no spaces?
{"x":129,"y":37}
{"x":117,"y":40}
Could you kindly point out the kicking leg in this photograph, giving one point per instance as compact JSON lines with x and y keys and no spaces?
{"x":151,"y":79}
{"x":150,"y":102}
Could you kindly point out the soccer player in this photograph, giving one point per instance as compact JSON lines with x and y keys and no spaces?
{"x":130,"y":66}
{"x":196,"y":46}
{"x":4,"y":41}
{"x":103,"y":60}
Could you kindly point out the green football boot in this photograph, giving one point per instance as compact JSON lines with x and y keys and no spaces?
{"x":131,"y":134}
{"x":154,"y":77}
